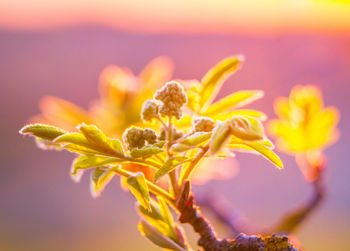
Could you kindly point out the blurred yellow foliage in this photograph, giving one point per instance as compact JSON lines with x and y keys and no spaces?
{"x":304,"y":123}
{"x":121,"y":96}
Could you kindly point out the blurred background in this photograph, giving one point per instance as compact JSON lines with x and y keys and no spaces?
{"x":60,"y":47}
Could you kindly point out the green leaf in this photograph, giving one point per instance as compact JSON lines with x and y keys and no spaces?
{"x":80,"y":149}
{"x":145,"y":151}
{"x":116,"y":145}
{"x":100,"y":142}
{"x":214,"y":78}
{"x":196,"y":138}
{"x":42,"y":131}
{"x":94,"y":135}
{"x":260,"y":148}
{"x":168,"y":218}
{"x":138,"y":187}
{"x":219,"y":137}
{"x":159,"y":144}
{"x":180,"y":148}
{"x":247,"y":128}
{"x":168,"y":166}
{"x":85,"y":162}
{"x":232,"y":101}
{"x":158,"y":220}
{"x":100,"y":177}
{"x":156,"y":237}
{"x":73,"y":138}
{"x":266,"y":152}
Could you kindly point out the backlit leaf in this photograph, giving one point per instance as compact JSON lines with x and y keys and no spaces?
{"x":167,"y":167}
{"x":220,"y":136}
{"x":158,"y":220}
{"x":214,"y":78}
{"x":73,"y":138}
{"x":232,"y":101}
{"x":100,"y":177}
{"x":261,"y":149}
{"x":85,"y":162}
{"x":246,"y":128}
{"x":145,"y":151}
{"x":196,"y":138}
{"x":138,"y":187}
{"x":180,"y":148}
{"x":80,"y":149}
{"x":156,"y":237}
{"x":42,"y":131}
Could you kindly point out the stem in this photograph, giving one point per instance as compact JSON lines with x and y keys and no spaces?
{"x":291,"y":221}
{"x":172,"y":175}
{"x":193,"y":164}
{"x":162,"y":122}
{"x":190,"y":213}
{"x":152,"y":187}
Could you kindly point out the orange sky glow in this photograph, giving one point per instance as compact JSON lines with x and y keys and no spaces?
{"x":181,"y":16}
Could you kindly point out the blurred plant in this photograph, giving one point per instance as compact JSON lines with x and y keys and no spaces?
{"x":305,"y":128}
{"x":180,"y":127}
{"x":121,"y":90}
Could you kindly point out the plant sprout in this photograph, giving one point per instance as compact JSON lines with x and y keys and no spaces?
{"x":154,"y":137}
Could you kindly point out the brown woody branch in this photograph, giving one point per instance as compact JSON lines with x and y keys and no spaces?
{"x":225,"y":213}
{"x":190,"y":213}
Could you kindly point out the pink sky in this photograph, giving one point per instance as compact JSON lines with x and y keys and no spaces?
{"x":183,"y":16}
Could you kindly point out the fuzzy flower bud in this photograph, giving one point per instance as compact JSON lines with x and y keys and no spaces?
{"x":150,"y":135}
{"x":173,"y":97}
{"x":149,"y":110}
{"x":134,"y":138}
{"x":203,"y":124}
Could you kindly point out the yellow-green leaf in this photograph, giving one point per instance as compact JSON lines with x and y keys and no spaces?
{"x":100,"y":142}
{"x":220,"y":136}
{"x":266,"y":152}
{"x":246,"y":128}
{"x":85,"y":162}
{"x":158,"y":220}
{"x":261,"y":149}
{"x":42,"y":131}
{"x":214,"y":78}
{"x":80,"y":149}
{"x":164,"y":210}
{"x":116,"y":145}
{"x":169,"y":165}
{"x":178,"y":147}
{"x":73,"y":138}
{"x":232,"y":101}
{"x":100,"y":177}
{"x":138,"y":187}
{"x":156,"y":237}
{"x":196,"y":138}
{"x":145,"y":151}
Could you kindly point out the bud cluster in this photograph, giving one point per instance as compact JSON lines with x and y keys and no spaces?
{"x":135,"y":137}
{"x":203,"y":124}
{"x":149,"y":110}
{"x":173,"y":97}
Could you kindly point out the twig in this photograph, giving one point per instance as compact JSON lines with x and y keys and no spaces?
{"x":291,"y":221}
{"x":189,"y":213}
{"x":224,"y":212}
